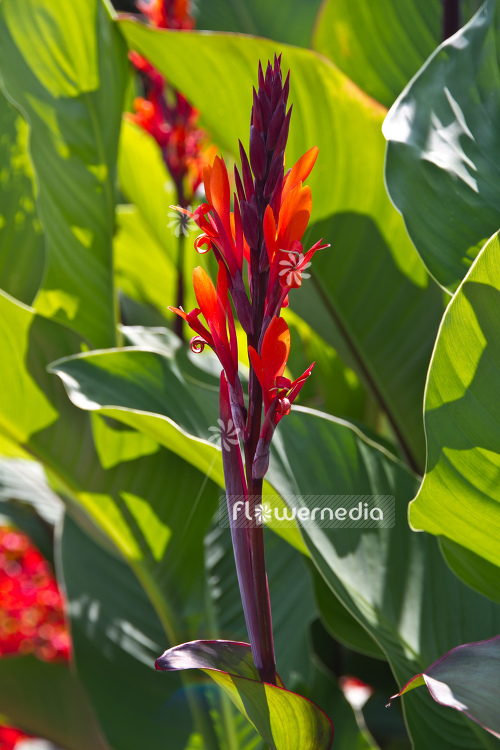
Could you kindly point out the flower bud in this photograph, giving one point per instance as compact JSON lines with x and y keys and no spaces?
{"x":258,"y":153}
{"x":275,"y":126}
{"x":250,"y":223}
{"x":246,"y":172}
{"x":283,"y":136}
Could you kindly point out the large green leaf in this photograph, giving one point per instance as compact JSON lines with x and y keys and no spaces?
{"x":22,"y":253}
{"x":394,"y":582}
{"x":148,"y":244}
{"x":380,"y":45}
{"x":125,"y":482}
{"x":459,"y":497}
{"x":64,"y":66}
{"x":159,"y":388}
{"x":28,"y":502}
{"x":290,"y":22}
{"x":443,"y":160}
{"x":48,"y":700}
{"x":466,"y":679}
{"x":372,"y":298}
{"x":116,"y":637}
{"x":143,"y":270}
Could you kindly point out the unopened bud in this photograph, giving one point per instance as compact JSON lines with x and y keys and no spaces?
{"x":258,"y":153}
{"x":275,"y":126}
{"x":250,"y":223}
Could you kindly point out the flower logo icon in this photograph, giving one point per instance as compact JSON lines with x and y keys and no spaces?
{"x":180,"y":223}
{"x":225,"y":435}
{"x":292,"y":268}
{"x":263,"y":513}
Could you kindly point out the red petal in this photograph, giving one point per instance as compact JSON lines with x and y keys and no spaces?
{"x":275,"y":350}
{"x":205,"y":294}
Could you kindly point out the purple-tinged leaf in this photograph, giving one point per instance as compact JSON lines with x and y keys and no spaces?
{"x":284,"y":720}
{"x":467,"y":678}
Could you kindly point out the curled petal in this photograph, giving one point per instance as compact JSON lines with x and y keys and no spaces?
{"x":203,"y":244}
{"x":198,"y":344}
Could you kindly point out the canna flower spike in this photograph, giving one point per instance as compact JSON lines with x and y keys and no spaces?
{"x":255,"y":230}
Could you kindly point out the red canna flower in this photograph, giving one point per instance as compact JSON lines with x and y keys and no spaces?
{"x":220,"y":335}
{"x":270,"y":365}
{"x":167,"y":14}
{"x":279,"y":392}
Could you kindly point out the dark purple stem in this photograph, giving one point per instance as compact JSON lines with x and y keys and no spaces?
{"x":248,"y":551}
{"x":451,"y":18}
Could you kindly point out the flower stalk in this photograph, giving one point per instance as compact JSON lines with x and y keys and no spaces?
{"x":260,"y":239}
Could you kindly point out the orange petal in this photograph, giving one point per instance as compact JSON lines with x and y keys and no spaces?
{"x":294,"y":216}
{"x":220,"y":192}
{"x":207,"y":174}
{"x":181,"y":313}
{"x":205,"y":294}
{"x":301,"y":170}
{"x":275,"y":350}
{"x":270,"y":234}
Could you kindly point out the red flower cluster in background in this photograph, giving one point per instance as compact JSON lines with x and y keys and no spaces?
{"x":31,"y":605}
{"x":168,"y":14}
{"x":165,"y":113}
{"x":9,"y":737}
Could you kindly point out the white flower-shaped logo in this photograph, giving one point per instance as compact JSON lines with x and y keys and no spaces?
{"x":180,"y":223}
{"x":293,"y":267}
{"x":225,"y":435}
{"x":263,"y":513}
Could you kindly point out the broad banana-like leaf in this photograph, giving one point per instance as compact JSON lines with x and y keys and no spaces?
{"x":443,"y":155}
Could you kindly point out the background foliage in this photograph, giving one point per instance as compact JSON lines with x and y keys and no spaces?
{"x":105,"y":413}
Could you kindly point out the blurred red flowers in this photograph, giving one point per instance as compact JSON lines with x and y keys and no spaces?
{"x":31,"y":605}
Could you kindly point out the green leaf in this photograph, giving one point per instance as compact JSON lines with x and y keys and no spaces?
{"x":285,"y":720}
{"x":64,"y":66}
{"x":116,"y":637}
{"x":372,"y":298}
{"x":340,"y":622}
{"x":124,"y":483}
{"x":146,"y":246}
{"x":22,"y":252}
{"x":459,"y":497}
{"x":394,"y":582}
{"x":47,"y":700}
{"x":442,"y":155}
{"x":380,"y":45}
{"x":290,"y":22}
{"x":466,"y":679}
{"x":153,"y":392}
{"x":28,"y":502}
{"x":143,"y":270}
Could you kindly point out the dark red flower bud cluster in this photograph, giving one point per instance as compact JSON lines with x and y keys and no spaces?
{"x":31,"y":612}
{"x":269,"y":126}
